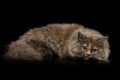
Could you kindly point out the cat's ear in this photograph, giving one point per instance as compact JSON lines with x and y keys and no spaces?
{"x":81,"y":36}
{"x":102,"y":39}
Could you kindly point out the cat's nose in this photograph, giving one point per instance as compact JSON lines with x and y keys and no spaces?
{"x":88,"y":55}
{"x":88,"y":50}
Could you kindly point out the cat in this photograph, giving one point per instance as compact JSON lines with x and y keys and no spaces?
{"x":63,"y":40}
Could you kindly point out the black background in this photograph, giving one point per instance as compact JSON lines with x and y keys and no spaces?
{"x":15,"y":22}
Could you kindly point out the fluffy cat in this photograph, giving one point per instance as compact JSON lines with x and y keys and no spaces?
{"x":63,"y":40}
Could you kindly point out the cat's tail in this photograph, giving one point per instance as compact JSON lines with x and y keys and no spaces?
{"x":21,"y":51}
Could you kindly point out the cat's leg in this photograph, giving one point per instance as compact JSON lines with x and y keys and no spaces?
{"x":19,"y":51}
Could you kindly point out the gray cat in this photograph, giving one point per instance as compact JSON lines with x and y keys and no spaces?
{"x":63,"y":40}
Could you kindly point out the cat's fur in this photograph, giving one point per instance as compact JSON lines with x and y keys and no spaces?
{"x":62,"y":40}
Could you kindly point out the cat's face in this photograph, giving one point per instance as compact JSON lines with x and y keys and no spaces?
{"x":87,"y":48}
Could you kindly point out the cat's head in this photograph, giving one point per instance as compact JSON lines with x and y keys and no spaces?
{"x":89,"y":47}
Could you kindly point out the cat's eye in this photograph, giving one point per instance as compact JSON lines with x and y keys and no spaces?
{"x":84,"y":46}
{"x":94,"y":49}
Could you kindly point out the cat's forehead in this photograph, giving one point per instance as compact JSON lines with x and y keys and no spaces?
{"x":94,"y":43}
{"x":91,"y":41}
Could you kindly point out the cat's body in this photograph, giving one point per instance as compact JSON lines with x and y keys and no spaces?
{"x":63,"y":40}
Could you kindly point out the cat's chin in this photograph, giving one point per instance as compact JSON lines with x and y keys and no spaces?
{"x":90,"y":59}
{"x":86,"y":58}
{"x":93,"y":60}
